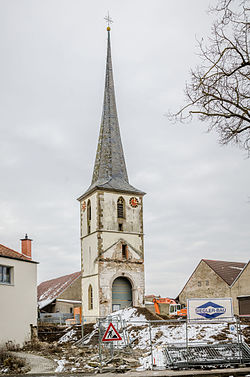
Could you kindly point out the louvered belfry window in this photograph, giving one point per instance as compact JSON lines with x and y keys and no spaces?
{"x":120,"y":208}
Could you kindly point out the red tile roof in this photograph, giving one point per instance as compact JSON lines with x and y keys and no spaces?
{"x":6,"y":252}
{"x":49,"y":290}
{"x":228,"y":271}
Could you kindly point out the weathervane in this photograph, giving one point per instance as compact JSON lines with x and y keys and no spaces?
{"x":109,"y":21}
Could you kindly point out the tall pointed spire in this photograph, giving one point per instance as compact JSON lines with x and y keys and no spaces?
{"x":110,"y":169}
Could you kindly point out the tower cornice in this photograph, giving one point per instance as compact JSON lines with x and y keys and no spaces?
{"x":111,"y":190}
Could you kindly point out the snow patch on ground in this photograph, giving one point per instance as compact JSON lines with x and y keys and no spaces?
{"x":128,"y":314}
{"x":138,"y":332}
{"x":61,"y":364}
{"x":69,"y":336}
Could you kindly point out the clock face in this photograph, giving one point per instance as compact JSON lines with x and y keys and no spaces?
{"x":83,"y":206}
{"x":133,"y":202}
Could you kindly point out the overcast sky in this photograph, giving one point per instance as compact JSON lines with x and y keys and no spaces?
{"x":52,"y":80}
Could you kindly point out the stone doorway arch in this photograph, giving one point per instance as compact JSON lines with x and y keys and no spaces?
{"x":121,"y":293}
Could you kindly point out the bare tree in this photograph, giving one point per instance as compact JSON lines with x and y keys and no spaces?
{"x":219,"y":89}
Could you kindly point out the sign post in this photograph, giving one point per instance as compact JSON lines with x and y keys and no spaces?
{"x":111,"y":334}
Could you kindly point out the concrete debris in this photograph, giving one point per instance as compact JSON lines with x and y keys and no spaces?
{"x":83,"y":357}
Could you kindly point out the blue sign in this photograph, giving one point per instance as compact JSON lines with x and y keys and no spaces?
{"x":210,"y":310}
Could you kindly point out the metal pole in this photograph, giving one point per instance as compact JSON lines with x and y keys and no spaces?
{"x":124,"y":332}
{"x":111,"y":350}
{"x":240,"y":332}
{"x":150,"y":337}
{"x":238,"y":339}
{"x":187,"y":339}
{"x":82,"y":329}
{"x":100,"y":346}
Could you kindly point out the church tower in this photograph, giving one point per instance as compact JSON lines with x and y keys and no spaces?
{"x":111,"y":210}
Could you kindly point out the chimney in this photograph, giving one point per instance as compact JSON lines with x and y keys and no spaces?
{"x":26,"y":246}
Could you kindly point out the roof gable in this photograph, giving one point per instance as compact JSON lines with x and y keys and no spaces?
{"x":49,"y":290}
{"x":190,"y":277}
{"x":228,"y":271}
{"x":7,"y":252}
{"x":247,"y":266}
{"x":121,"y":240}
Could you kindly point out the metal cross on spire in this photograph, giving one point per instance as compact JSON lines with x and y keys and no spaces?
{"x":108,"y":19}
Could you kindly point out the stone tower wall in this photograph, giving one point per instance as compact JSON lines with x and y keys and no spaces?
{"x":102,"y":259}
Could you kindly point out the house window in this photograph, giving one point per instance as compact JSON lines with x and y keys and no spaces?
{"x":5,"y":274}
{"x":207,"y":282}
{"x":199,"y":283}
{"x":89,"y":216}
{"x":124,"y":252}
{"x":90,"y":297}
{"x":120,"y":208}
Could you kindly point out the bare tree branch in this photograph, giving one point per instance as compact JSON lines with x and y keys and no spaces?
{"x":218,"y":91}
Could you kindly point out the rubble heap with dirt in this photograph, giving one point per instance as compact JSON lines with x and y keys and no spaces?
{"x":74,"y":356}
{"x":71,"y":353}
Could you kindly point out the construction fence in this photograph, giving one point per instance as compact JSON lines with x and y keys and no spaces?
{"x":173,"y":344}
{"x":55,"y":318}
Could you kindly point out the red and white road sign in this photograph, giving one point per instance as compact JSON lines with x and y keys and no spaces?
{"x":111,"y":334}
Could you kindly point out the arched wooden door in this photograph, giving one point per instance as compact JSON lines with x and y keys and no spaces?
{"x":121,"y":294}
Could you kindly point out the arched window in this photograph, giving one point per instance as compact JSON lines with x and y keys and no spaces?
{"x":89,"y":216}
{"x":120,"y":208}
{"x":90,"y":297}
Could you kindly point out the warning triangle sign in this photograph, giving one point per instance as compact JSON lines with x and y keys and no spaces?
{"x":111,"y":334}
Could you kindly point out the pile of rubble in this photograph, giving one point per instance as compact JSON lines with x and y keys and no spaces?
{"x":74,"y":355}
{"x":87,"y":359}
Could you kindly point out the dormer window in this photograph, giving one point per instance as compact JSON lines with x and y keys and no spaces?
{"x":120,"y":208}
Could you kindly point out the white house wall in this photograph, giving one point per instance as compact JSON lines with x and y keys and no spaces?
{"x":18,"y":302}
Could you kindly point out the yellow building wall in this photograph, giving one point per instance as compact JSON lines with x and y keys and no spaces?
{"x":204,"y":283}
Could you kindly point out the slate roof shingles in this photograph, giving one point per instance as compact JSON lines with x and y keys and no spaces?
{"x":228,"y":271}
{"x":110,"y":170}
{"x":49,"y":290}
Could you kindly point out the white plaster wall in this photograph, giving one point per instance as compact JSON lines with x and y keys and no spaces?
{"x":90,"y":315}
{"x":102,"y":278}
{"x":89,"y":249}
{"x":133,"y":219}
{"x":83,"y":214}
{"x":89,"y":254}
{"x":18,"y":302}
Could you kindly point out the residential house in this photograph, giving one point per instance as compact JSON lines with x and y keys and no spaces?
{"x":62,"y":294}
{"x":220,"y":279}
{"x":18,"y":280}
